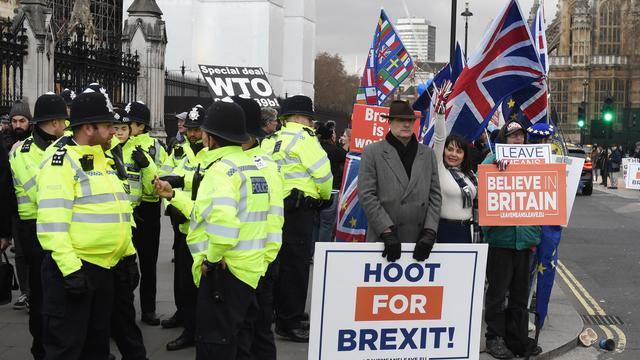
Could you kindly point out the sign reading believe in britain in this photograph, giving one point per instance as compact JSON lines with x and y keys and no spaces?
{"x":364,"y":307}
{"x":227,"y":81}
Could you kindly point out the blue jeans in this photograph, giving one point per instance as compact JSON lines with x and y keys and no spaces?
{"x":327,"y":221}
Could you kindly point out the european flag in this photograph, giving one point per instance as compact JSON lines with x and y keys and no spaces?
{"x":547,"y":254}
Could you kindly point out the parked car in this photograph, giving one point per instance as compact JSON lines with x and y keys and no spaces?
{"x":586,"y":178}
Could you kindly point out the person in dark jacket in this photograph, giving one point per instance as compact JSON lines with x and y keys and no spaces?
{"x":615,"y":160}
{"x":8,"y":198}
{"x":327,"y":219}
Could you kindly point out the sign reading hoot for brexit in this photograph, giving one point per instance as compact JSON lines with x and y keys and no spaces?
{"x":227,"y":81}
{"x":364,"y":307}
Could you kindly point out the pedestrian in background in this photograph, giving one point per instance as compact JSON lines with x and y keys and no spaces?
{"x":399,"y":189}
{"x":603,"y":159}
{"x":20,"y":117}
{"x":269,"y":121}
{"x":345,"y":139}
{"x":615,"y":160}
{"x":595,"y":154}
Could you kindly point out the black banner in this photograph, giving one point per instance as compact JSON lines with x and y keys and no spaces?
{"x":226,"y":81}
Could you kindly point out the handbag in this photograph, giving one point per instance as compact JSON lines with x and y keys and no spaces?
{"x":8,"y":281}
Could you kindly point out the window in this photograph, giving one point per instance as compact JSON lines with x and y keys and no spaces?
{"x":605,"y":88}
{"x":610,"y":29}
{"x":560,"y":98}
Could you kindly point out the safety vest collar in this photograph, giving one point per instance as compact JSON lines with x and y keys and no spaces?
{"x":95,"y":150}
{"x":293,"y":126}
{"x":209,"y":156}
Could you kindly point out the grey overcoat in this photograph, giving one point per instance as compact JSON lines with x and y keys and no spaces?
{"x":389,"y":197}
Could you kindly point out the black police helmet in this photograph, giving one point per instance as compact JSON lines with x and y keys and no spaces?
{"x":50,"y":107}
{"x":252,"y":114}
{"x":226,"y":119}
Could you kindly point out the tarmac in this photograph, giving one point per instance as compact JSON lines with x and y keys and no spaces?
{"x":558,"y":336}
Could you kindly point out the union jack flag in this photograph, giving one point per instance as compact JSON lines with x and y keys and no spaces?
{"x":352,"y":221}
{"x":539,"y":31}
{"x":388,"y":65}
{"x":505,"y":62}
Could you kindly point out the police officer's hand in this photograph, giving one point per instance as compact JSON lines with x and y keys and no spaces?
{"x":139,"y":157}
{"x":163,"y":188}
{"x":76,"y":283}
{"x":4,"y":244}
{"x":424,"y":245}
{"x":176,"y":182}
{"x":132,"y":271}
{"x":392,"y":246}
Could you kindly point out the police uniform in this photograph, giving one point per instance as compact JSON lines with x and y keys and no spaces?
{"x":256,"y":338}
{"x":307,"y":187}
{"x":229,"y":226}
{"x":84,"y":226}
{"x":25,"y":165}
{"x":146,"y":235}
{"x":184,"y":289}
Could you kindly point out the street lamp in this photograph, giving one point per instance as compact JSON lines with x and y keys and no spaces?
{"x":467,"y":14}
{"x":585,"y":106}
{"x":452,"y":45}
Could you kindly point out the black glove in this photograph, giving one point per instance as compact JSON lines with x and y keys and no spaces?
{"x":131,"y":267}
{"x":139,"y":157}
{"x":76,"y":283}
{"x":424,"y":245}
{"x":176,"y":182}
{"x":392,"y":246}
{"x":176,"y":214}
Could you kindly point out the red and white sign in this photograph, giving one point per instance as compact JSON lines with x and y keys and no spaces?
{"x":368,"y":126}
{"x":633,"y":176}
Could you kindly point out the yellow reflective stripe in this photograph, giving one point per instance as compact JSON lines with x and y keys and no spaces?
{"x":276,"y":210}
{"x":100,"y":218}
{"x":84,"y":179}
{"x":52,"y":227}
{"x":55,"y":203}
{"x":225,"y":231}
{"x":23,"y":199}
{"x":100,"y":198}
{"x":296,"y":175}
{"x":29,"y":184}
{"x":255,"y":244}
{"x":288,"y":161}
{"x":199,"y":247}
{"x":318,"y":164}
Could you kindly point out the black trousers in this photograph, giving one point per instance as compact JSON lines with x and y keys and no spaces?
{"x":146,"y":239}
{"x":185,"y":290}
{"x":507,"y":270}
{"x":33,"y":255}
{"x":225,"y":304}
{"x":124,"y":329}
{"x":76,"y":326}
{"x":256,"y":338}
{"x":293,"y":259}
{"x":22,"y":267}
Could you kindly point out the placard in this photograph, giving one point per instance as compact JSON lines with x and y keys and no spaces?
{"x":522,"y":195}
{"x":227,"y":81}
{"x":364,"y":307}
{"x":368,"y":126}
{"x":625,"y":165}
{"x":524,"y":154}
{"x":574,"y":173}
{"x":633,"y":176}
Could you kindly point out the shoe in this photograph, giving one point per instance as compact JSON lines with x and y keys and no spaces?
{"x":498,"y":349}
{"x":170,"y":323}
{"x":112,"y":357}
{"x":297,"y":335}
{"x":182,"y":342}
{"x":150,"y":318}
{"x":22,"y":303}
{"x":535,"y":352}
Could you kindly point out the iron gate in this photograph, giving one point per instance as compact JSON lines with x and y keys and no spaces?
{"x":13,"y":48}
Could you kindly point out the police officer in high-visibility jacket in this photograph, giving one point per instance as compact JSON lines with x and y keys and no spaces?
{"x":257,"y":340}
{"x":49,"y":118}
{"x":176,"y":145}
{"x":307,"y":188}
{"x":228,"y":232}
{"x":146,"y":235}
{"x":184,"y":289}
{"x":84,"y":223}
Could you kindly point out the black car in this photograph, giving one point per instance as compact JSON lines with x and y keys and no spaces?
{"x":586,"y":178}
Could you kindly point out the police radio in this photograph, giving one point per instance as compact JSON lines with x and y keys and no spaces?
{"x":195,"y":183}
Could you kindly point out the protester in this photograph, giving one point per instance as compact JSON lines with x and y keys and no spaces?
{"x":327,"y":218}
{"x":345,"y":139}
{"x":5,"y":123}
{"x":180,"y":135}
{"x":603,"y":161}
{"x":507,"y":266}
{"x":399,"y":189}
{"x":615,"y":160}
{"x":595,"y":154}
{"x":6,"y":132}
{"x":479,"y":151}
{"x":458,"y":186}
{"x":7,"y":197}
{"x":636,"y":153}
{"x":269,"y":121}
{"x":20,"y":117}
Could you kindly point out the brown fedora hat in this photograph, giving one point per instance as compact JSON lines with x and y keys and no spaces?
{"x":400,"y":109}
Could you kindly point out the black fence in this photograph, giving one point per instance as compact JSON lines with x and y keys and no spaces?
{"x":13,"y":48}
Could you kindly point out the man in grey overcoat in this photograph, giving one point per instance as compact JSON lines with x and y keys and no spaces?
{"x":398,"y":188}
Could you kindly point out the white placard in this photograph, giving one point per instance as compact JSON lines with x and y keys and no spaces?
{"x":625,"y":166}
{"x":364,"y":307}
{"x":633,"y":176}
{"x":574,"y":172}
{"x":524,"y":154}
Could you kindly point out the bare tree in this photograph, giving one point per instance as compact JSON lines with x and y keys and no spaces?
{"x":334,"y":89}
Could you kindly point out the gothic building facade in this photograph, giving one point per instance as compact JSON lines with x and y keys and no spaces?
{"x":594,"y":53}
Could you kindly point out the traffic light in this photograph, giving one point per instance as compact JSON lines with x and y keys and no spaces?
{"x":581,"y":115}
{"x":607,"y":110}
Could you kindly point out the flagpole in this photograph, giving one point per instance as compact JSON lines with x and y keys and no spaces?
{"x":452,"y":45}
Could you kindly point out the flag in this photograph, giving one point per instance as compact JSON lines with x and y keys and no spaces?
{"x":352,"y":221}
{"x":539,"y":31}
{"x":458,"y":64}
{"x":547,"y":260}
{"x":388,"y":65}
{"x":505,"y":62}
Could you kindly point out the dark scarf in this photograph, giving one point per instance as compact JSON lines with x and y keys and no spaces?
{"x":407,"y":153}
{"x":196,"y":147}
{"x":42,"y":138}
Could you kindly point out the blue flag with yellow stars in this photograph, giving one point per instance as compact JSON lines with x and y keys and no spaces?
{"x":511,"y":111}
{"x":547,"y":259}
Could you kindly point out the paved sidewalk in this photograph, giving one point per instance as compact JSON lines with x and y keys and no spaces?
{"x":558,"y":336}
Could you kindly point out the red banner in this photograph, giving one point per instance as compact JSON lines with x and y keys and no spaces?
{"x":368,"y":126}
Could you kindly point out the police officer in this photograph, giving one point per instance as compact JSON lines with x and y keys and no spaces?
{"x":84,"y":226}
{"x":307,"y":188}
{"x":257,"y":340}
{"x":146,"y":235}
{"x":228,"y":233}
{"x":184,"y":289}
{"x":68,"y":96}
{"x":49,"y":118}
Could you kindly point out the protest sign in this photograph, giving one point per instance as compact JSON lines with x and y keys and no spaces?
{"x":633,"y":176}
{"x":625,"y":167}
{"x":364,"y":307}
{"x":522,"y":195}
{"x":368,"y":126}
{"x":524,"y":154}
{"x":574,"y":172}
{"x":226,"y":81}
